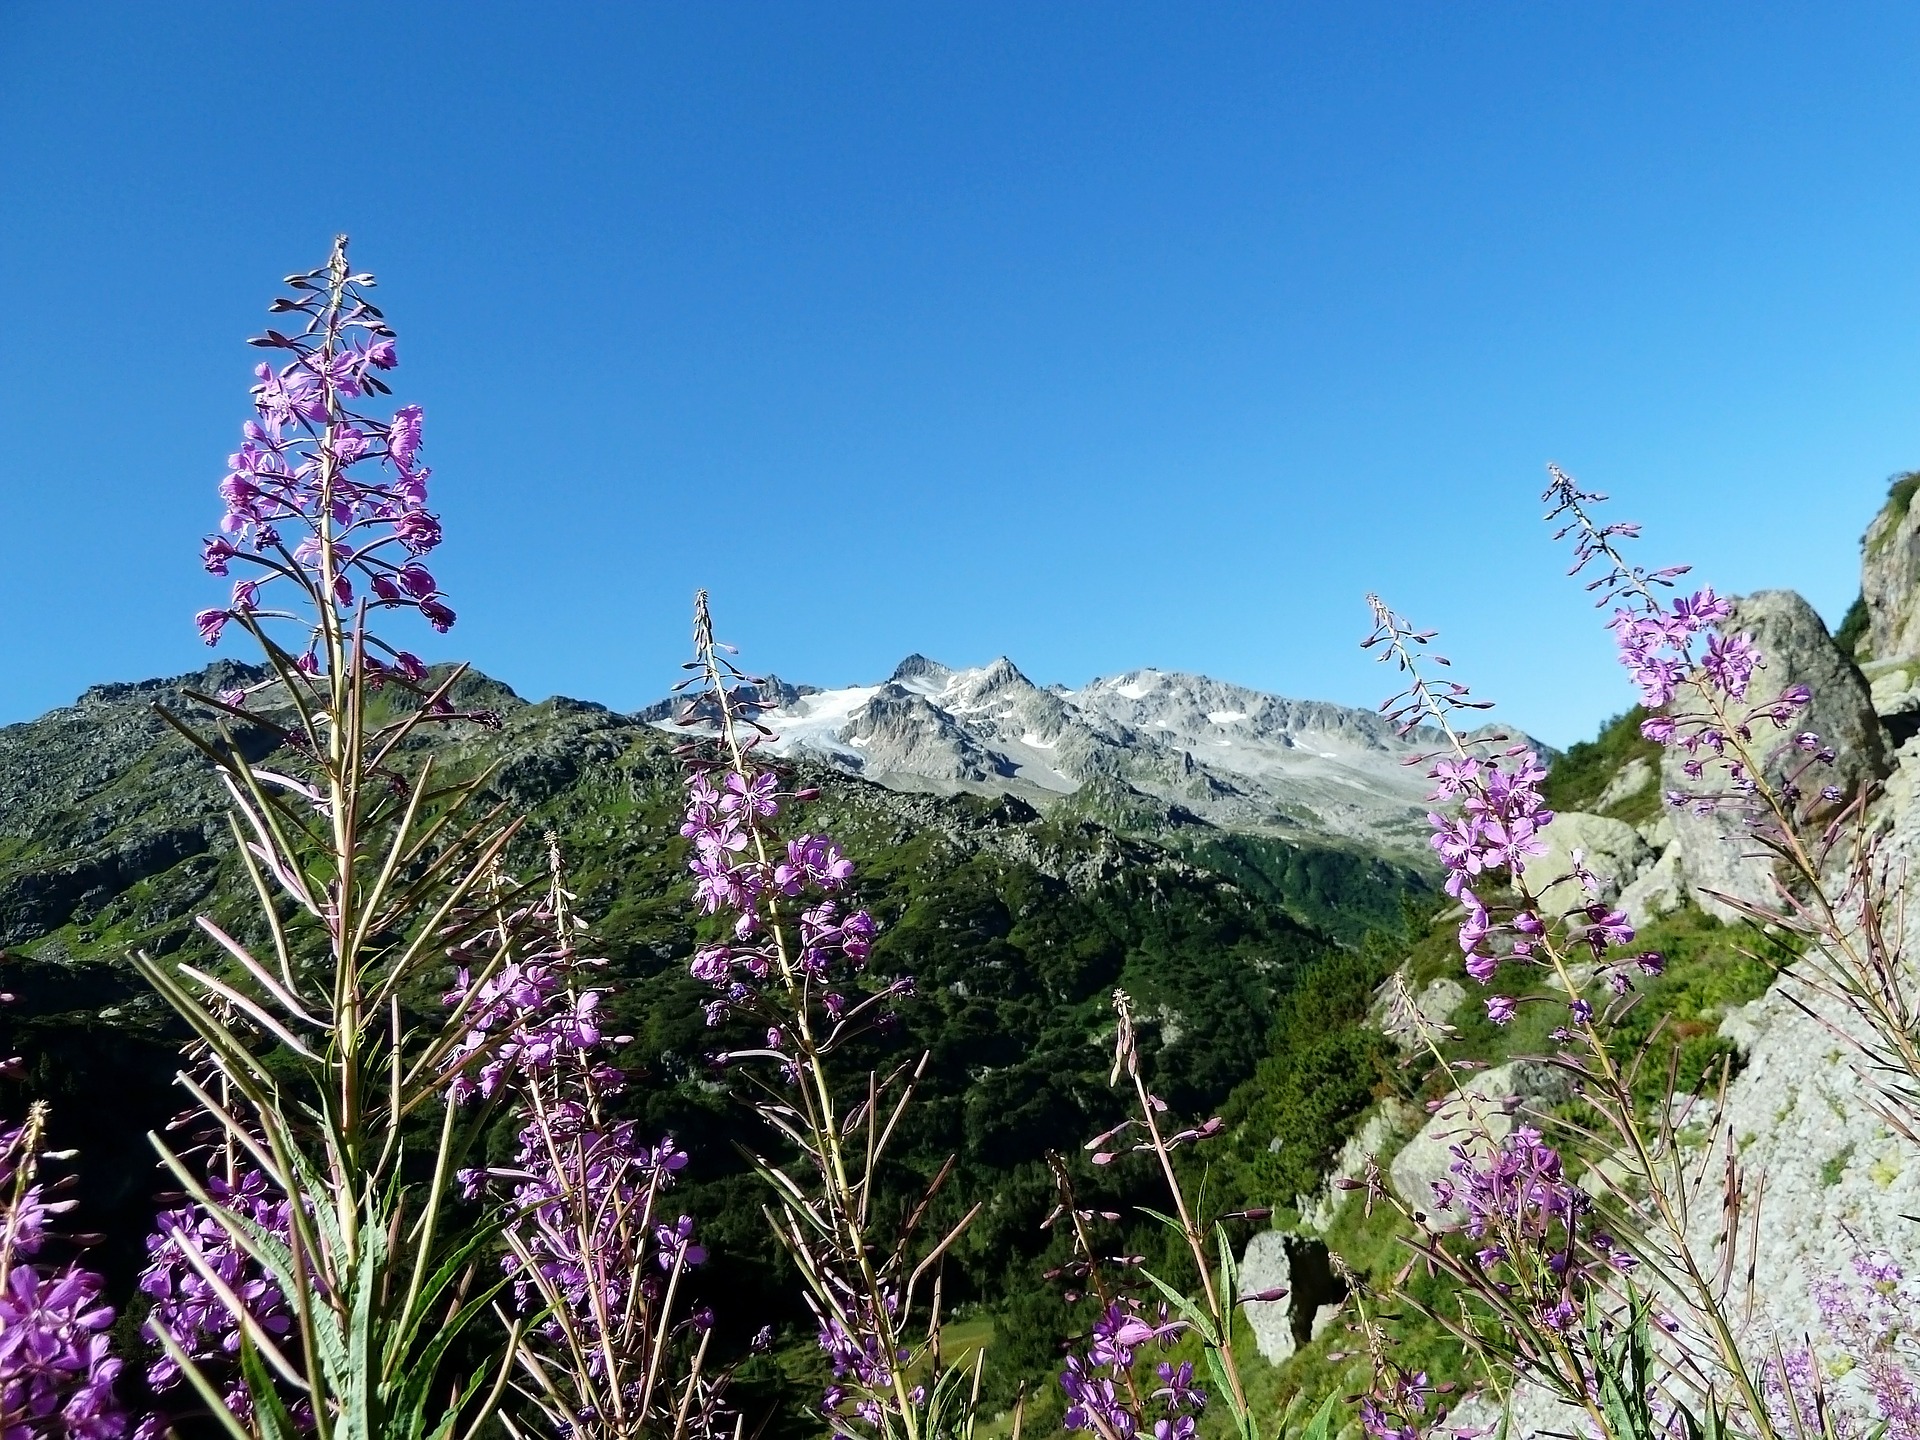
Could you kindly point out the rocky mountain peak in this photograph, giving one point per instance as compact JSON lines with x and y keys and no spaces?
{"x":1224,"y":753}
{"x":918,"y":667}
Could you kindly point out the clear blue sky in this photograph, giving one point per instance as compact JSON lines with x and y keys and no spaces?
{"x":1098,"y":335}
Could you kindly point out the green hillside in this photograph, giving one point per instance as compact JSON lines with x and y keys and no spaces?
{"x":1016,"y":925}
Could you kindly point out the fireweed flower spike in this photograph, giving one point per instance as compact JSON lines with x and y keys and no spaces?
{"x":787,"y":959}
{"x":1871,"y":1317}
{"x":609,"y":1349}
{"x":1108,"y":1388}
{"x":1836,"y":883}
{"x":194,"y":1265}
{"x":326,"y":497}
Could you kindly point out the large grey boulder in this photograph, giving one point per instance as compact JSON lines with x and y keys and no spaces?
{"x":1660,"y":890}
{"x":1298,"y":1264}
{"x":1716,"y":853}
{"x":1385,"y":1123}
{"x":1635,"y":776}
{"x":1475,"y":1120}
{"x":1611,"y":850}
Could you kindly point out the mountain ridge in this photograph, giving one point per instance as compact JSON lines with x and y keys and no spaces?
{"x":1226,"y":754}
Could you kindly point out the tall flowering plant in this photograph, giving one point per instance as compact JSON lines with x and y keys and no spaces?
{"x":609,"y":1347}
{"x":315,"y":1279}
{"x":1834,"y":882}
{"x":1548,"y":1267}
{"x":1113,"y":1386}
{"x":790,"y":961}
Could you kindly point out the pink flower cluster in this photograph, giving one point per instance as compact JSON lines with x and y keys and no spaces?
{"x":187,"y":1243}
{"x":57,"y":1375}
{"x":1500,"y":817}
{"x":740,"y":871}
{"x":1529,"y":1219}
{"x":521,"y":1019}
{"x":320,"y":495}
{"x":583,"y":1205}
{"x":862,"y":1370}
{"x":1104,"y":1394}
{"x":1875,"y":1318}
{"x":1657,"y":643}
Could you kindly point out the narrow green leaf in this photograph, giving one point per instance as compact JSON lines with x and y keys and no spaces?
{"x":269,"y":1410}
{"x":1201,"y":1322}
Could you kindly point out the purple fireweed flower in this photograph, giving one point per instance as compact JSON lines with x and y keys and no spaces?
{"x":1871,"y":1318}
{"x":1730,"y":662}
{"x":56,"y":1372}
{"x":1497,"y":829}
{"x":1100,"y":1388}
{"x":1395,"y":1405}
{"x":581,"y":1199}
{"x":595,"y":1268}
{"x":1796,"y":1398}
{"x":1502,"y":1008}
{"x":316,"y":481}
{"x":187,"y":1308}
{"x":1526,"y":1220}
{"x":1177,"y":1387}
{"x":520,"y":1021}
{"x":1681,"y":659}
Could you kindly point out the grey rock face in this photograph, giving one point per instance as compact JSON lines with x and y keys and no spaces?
{"x":1636,"y":775}
{"x":102,"y":794}
{"x":1611,"y":850}
{"x":1277,"y":1259}
{"x":1476,"y":1120}
{"x":1660,"y":890}
{"x":1388,"y":1121}
{"x":1890,"y":576}
{"x":1715,"y":853}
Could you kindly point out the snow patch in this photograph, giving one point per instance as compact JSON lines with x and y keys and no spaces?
{"x":814,"y":721}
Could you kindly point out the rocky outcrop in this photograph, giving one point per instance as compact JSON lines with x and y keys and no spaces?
{"x":1391,"y":1119}
{"x":1660,"y":890}
{"x":1476,"y":1120}
{"x":1715,"y":853}
{"x":1298,"y":1264}
{"x":1890,"y":575}
{"x":1612,"y":851}
{"x":1635,"y":776}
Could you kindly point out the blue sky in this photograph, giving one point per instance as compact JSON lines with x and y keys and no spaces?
{"x":1095,"y":335}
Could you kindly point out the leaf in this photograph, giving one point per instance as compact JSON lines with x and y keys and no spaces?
{"x":1201,"y":1322}
{"x":1321,"y":1427}
{"x":269,"y":1410}
{"x":1165,"y":1219}
{"x":1223,"y":1387}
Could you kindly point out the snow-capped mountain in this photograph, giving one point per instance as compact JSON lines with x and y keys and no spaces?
{"x":1230,"y":755}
